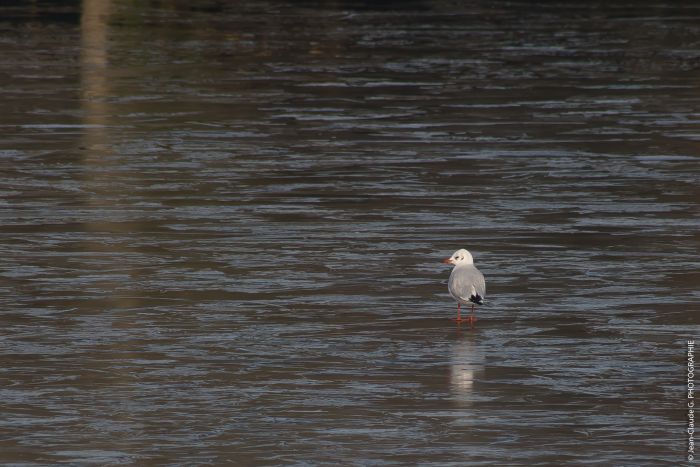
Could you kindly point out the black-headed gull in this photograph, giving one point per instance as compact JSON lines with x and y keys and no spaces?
{"x":466,"y":284}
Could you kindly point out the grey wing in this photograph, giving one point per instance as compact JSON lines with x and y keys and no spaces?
{"x":466,"y":281}
{"x":479,"y":283}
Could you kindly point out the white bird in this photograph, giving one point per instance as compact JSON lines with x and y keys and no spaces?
{"x":466,"y":285}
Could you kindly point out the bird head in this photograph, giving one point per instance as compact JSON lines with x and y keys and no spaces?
{"x":459,"y":257}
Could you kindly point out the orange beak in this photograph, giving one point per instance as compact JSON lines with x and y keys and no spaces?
{"x":448,"y":261}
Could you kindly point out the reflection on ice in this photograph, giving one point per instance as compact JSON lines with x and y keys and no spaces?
{"x":466,"y":366}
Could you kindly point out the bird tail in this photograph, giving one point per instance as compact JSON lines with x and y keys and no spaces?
{"x":476,"y":298}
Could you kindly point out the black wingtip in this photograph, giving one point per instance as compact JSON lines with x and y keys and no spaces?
{"x":478,"y":299}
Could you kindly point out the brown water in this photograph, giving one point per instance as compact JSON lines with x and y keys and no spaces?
{"x":222,"y":226}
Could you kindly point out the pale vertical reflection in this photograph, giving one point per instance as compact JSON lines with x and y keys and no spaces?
{"x":106,"y":257}
{"x":466,"y":366}
{"x":104,"y":183}
{"x":93,"y":76}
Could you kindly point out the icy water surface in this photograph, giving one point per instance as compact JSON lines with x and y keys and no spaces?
{"x":222,"y":226}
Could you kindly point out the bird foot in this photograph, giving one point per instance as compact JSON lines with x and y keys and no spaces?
{"x":470,"y":319}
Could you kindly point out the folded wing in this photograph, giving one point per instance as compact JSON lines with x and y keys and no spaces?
{"x":467,"y":284}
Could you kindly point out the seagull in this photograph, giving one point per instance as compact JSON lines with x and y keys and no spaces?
{"x":466,"y":284}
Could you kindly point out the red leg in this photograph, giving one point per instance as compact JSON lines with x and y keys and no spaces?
{"x":471,"y":319}
{"x":459,"y":315}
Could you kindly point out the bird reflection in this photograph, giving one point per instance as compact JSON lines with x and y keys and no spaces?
{"x":466,"y":366}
